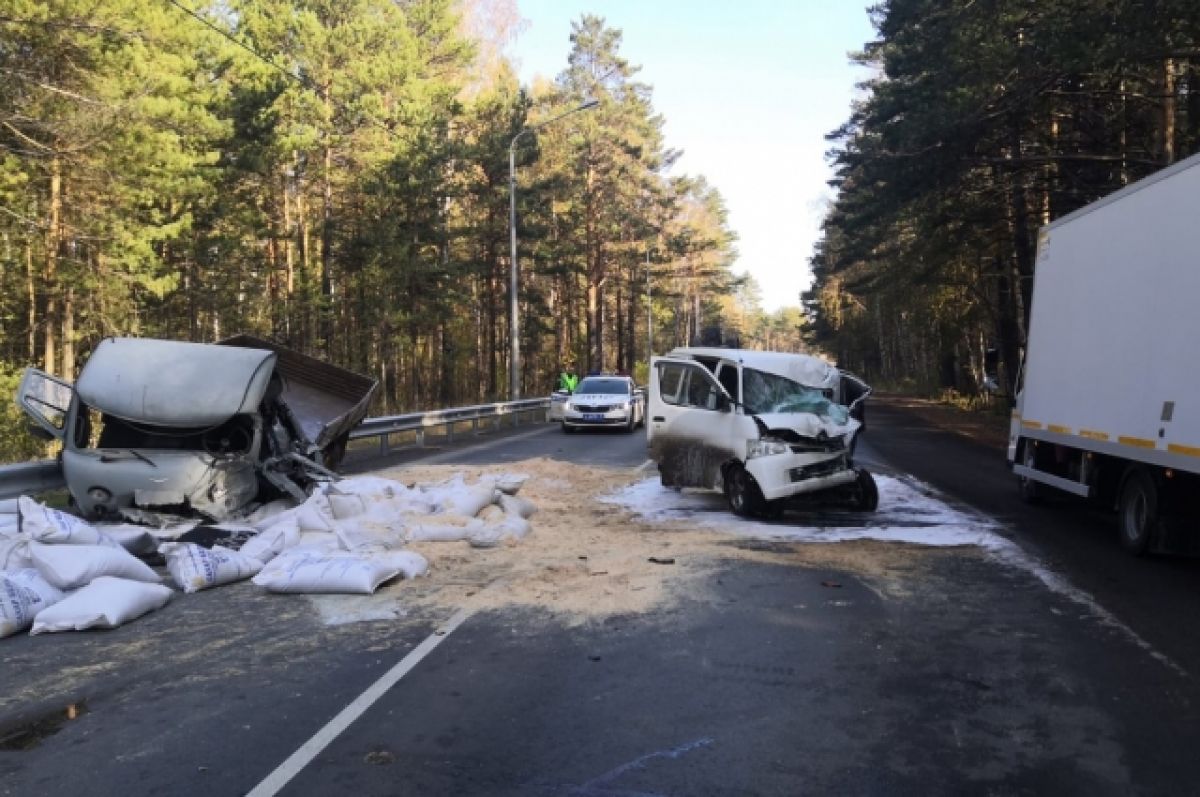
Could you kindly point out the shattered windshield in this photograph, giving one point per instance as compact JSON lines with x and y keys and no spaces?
{"x":767,"y":393}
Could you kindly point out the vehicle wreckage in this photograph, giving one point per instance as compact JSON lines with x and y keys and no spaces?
{"x":770,"y":429}
{"x":195,"y":427}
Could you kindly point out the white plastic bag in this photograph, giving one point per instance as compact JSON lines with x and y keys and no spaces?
{"x":23,"y":593}
{"x":73,"y":566}
{"x":107,"y":602}
{"x":47,"y":525}
{"x":314,"y":572}
{"x":195,"y":568}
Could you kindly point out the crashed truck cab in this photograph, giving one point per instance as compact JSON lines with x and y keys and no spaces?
{"x":159,"y":424}
{"x":767,"y":428}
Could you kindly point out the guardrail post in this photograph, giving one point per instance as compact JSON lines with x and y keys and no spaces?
{"x":383,"y":444}
{"x":420,"y":438}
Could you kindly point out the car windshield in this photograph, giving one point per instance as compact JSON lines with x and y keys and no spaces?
{"x":613,"y":387}
{"x":765,"y":393}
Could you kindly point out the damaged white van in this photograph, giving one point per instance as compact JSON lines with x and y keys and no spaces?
{"x":769,"y":428}
{"x":183,"y":427}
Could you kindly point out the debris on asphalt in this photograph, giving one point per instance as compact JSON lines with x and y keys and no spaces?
{"x":662,"y":560}
{"x":831,"y":584}
{"x":60,"y":572}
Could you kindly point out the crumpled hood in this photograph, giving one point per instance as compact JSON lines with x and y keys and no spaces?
{"x":806,"y":424}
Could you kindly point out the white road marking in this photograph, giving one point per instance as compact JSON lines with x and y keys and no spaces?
{"x":298,"y":760}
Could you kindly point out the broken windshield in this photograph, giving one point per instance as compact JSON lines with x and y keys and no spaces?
{"x":769,"y":393}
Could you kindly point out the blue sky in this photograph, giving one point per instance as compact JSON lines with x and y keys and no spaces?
{"x":748,"y":90}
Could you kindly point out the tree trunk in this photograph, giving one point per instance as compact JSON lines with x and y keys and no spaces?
{"x":51,"y":317}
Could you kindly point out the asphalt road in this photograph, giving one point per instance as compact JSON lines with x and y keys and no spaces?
{"x":790,"y":673}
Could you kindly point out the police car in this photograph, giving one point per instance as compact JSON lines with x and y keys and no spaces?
{"x":605,"y":401}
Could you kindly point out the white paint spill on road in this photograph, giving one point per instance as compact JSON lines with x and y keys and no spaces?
{"x":909,"y":512}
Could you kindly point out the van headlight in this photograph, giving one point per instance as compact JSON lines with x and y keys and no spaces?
{"x":765,"y":447}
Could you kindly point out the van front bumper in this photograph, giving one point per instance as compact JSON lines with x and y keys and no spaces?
{"x":786,"y":475}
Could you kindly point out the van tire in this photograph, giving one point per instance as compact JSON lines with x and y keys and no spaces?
{"x":743,"y":494}
{"x":866,"y":495}
{"x":1137,"y":511}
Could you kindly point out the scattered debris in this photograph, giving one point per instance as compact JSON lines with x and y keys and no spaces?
{"x":662,"y":560}
{"x":833,"y":584}
{"x":60,"y":572}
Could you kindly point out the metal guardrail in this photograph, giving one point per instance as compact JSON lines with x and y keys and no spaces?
{"x":24,"y":478}
{"x":420,"y":422}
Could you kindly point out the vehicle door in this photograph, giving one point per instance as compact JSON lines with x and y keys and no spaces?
{"x":692,"y":428}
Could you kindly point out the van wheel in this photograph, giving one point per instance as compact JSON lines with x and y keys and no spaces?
{"x":567,"y":429}
{"x":1137,"y":511}
{"x":866,"y":495}
{"x":1030,"y":491}
{"x":743,"y":494}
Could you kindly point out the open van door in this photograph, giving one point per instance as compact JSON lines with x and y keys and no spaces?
{"x":45,"y":399}
{"x":693,"y":426}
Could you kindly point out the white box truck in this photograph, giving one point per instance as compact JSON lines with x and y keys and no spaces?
{"x":1108,"y":406}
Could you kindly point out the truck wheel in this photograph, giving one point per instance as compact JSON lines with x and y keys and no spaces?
{"x":1137,"y":511}
{"x":1030,"y":490}
{"x":866,"y":495}
{"x":743,"y":494}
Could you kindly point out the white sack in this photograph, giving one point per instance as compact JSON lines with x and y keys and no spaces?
{"x":14,"y":553}
{"x":345,"y":506}
{"x":510,"y":483}
{"x":9,"y":506}
{"x":195,"y":567}
{"x":23,"y":593}
{"x":312,"y":572}
{"x":425,"y":531}
{"x":105,"y":603}
{"x":268,"y":544}
{"x":320,"y":540}
{"x":10,"y":525}
{"x":410,"y":563}
{"x":73,"y":566}
{"x":47,"y":525}
{"x":516,"y":505}
{"x":136,"y":539}
{"x":315,"y":514}
{"x":261,"y":518}
{"x":469,"y":501}
{"x":361,"y":533}
{"x":513,"y":527}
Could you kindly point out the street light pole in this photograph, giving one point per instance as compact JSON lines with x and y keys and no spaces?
{"x":514,"y":321}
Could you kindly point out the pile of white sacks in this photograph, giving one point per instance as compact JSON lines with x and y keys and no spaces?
{"x":61,"y":573}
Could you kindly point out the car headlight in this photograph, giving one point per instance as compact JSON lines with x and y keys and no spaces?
{"x":765,"y":447}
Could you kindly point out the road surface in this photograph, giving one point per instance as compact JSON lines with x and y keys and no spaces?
{"x":1049,"y":663}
